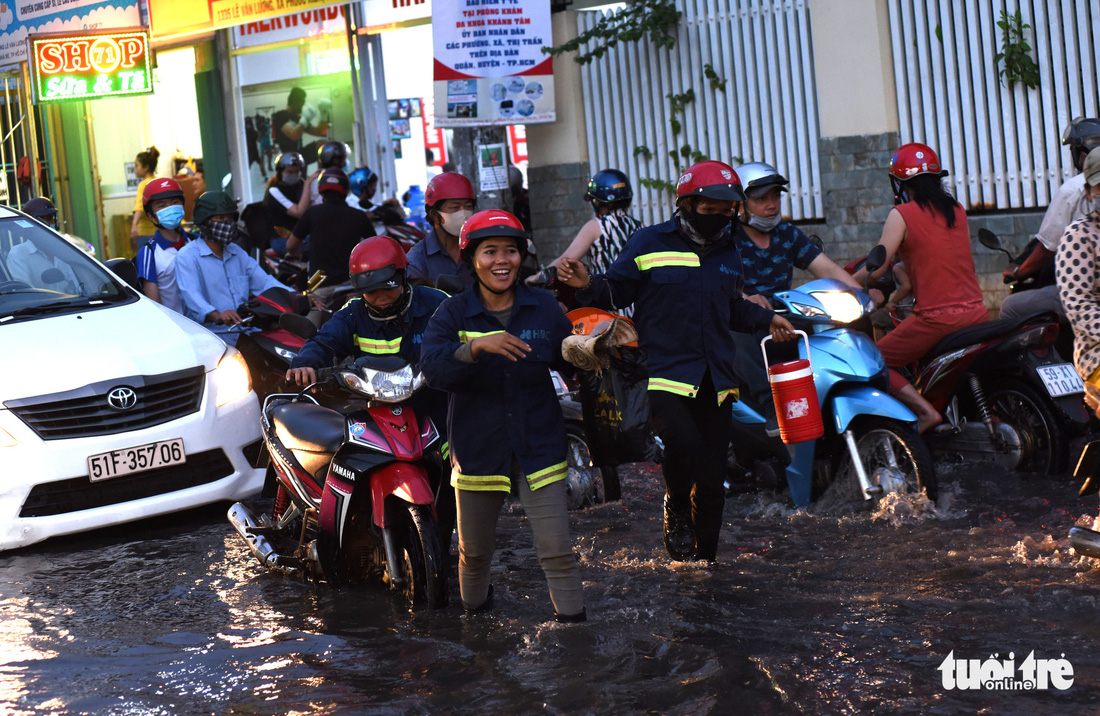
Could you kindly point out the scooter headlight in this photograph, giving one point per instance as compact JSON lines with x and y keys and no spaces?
{"x":842,"y":306}
{"x":383,"y":386}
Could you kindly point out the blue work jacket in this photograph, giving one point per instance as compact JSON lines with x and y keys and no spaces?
{"x":500,"y":409}
{"x":687,"y":303}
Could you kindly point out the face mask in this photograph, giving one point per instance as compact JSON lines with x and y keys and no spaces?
{"x":765,"y":225}
{"x":222,"y":232}
{"x":291,"y":178}
{"x":452,"y":223}
{"x":709,"y":226}
{"x":170,"y":217}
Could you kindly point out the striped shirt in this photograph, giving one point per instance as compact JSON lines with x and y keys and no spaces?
{"x":615,"y":229}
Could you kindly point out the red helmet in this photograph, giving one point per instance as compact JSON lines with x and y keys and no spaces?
{"x":913,"y":159}
{"x":333,"y":180}
{"x":711,"y":179}
{"x":489,"y":223}
{"x":448,"y":185}
{"x":163,"y":188}
{"x":375,"y":262}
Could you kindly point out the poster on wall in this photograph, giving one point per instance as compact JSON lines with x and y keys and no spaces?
{"x":295,"y":115}
{"x":489,"y":64}
{"x":494,"y":167}
{"x":18,"y":20}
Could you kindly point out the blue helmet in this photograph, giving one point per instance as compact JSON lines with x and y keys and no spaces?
{"x":359,"y":179}
{"x":609,"y":185}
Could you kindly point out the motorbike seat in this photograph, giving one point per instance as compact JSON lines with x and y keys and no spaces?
{"x":985,"y":331}
{"x":307,"y":427}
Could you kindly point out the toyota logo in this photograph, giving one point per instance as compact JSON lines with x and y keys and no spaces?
{"x":122,"y":398}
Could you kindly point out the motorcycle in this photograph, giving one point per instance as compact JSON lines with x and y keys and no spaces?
{"x":355,"y":498}
{"x":1006,"y":395}
{"x":871,"y":446}
{"x":265,"y":341}
{"x":1083,"y":540}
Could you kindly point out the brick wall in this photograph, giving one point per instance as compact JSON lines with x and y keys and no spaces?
{"x":558,"y":209}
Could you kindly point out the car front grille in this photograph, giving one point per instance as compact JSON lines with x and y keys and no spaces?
{"x":79,"y":493}
{"x":85,"y":412}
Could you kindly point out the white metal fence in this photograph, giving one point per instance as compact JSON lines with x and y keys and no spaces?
{"x":1002,"y":147}
{"x":768,"y":111}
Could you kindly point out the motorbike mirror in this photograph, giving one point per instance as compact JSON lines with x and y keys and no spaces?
{"x":315,"y":280}
{"x":227,"y":180}
{"x":298,"y":325}
{"x":876,"y":259}
{"x":991,"y":241}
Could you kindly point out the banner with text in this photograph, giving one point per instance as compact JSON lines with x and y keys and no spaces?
{"x":489,"y":64}
{"x":178,"y":18}
{"x":385,"y":15}
{"x":21,"y":18}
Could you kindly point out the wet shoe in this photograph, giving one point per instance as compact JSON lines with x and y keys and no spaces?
{"x":581,"y":616}
{"x":481,"y":608}
{"x":679,"y":533}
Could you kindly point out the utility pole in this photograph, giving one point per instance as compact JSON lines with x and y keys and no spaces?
{"x":467,"y":143}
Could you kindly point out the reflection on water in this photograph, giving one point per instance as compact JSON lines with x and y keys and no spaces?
{"x":807,"y":612}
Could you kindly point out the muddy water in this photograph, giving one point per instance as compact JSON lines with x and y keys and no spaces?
{"x":846,"y":612}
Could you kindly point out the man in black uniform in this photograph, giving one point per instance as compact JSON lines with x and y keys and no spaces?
{"x":333,"y":229}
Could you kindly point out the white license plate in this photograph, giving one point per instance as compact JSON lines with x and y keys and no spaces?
{"x":1061,"y":379}
{"x":135,"y":459}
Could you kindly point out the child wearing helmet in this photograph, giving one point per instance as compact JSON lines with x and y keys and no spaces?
{"x":491,"y":347}
{"x":449,"y":201}
{"x":162,"y":201}
{"x":683,"y":278}
{"x":390,"y":317}
{"x":1069,"y":204}
{"x":928,"y":230}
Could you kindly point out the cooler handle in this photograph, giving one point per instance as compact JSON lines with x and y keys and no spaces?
{"x":805,"y":339}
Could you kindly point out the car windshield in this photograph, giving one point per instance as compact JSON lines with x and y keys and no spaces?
{"x":41,"y":273}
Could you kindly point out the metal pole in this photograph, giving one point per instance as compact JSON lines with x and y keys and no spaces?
{"x":97,"y":189}
{"x":11,"y":144}
{"x":357,"y":124}
{"x":31,"y":129}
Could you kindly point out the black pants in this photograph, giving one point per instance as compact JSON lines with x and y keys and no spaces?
{"x":696,"y":433}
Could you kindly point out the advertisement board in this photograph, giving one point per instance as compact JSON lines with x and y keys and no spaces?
{"x":90,"y":65}
{"x":180,"y":18}
{"x":22,"y":18}
{"x":489,"y":64}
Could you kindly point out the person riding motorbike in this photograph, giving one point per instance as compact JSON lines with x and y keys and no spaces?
{"x":283,"y":199}
{"x":162,"y":200}
{"x":362,"y":186}
{"x":449,"y":201}
{"x":331,"y":155}
{"x":390,"y":317}
{"x":1069,"y":204}
{"x":770,"y":249}
{"x":928,"y":229}
{"x":603,"y":237}
{"x":492,"y":347}
{"x":684,"y":279}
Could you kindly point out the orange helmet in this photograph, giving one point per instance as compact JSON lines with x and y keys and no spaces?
{"x":587,"y":320}
{"x":714,"y":180}
{"x":489,"y":223}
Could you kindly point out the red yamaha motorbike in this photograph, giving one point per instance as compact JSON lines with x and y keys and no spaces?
{"x":356,"y":490}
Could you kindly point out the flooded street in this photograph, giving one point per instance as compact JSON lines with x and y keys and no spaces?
{"x":804,"y":614}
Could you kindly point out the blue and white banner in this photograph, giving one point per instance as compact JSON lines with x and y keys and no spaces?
{"x":20,"y":18}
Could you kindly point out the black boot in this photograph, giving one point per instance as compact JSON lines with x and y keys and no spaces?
{"x":481,"y":608}
{"x":679,"y":531}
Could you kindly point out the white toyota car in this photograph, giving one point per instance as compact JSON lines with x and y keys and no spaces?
{"x":112,"y":407}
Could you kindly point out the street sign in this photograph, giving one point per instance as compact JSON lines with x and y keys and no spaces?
{"x":90,"y":65}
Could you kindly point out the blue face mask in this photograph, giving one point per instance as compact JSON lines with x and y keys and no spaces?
{"x":170,"y":217}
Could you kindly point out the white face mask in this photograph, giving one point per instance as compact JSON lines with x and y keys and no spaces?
{"x":765,"y":225}
{"x":452,"y":222}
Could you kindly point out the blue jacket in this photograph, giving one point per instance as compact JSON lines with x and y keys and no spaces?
{"x":500,"y":409}
{"x":352,"y":332}
{"x":687,"y":303}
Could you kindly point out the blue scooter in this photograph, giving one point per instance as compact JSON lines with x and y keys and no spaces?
{"x":870,"y":440}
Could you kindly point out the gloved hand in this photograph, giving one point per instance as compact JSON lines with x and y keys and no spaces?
{"x":324,"y":110}
{"x":310,"y":115}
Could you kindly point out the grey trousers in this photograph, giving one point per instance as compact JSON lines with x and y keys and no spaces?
{"x":1036,"y":300}
{"x":546,"y":511}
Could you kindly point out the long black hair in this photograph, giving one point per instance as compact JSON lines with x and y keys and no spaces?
{"x":927,"y":190}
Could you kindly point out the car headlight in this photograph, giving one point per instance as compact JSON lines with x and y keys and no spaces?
{"x":231,"y":380}
{"x":841,"y":306}
{"x":384,"y":386}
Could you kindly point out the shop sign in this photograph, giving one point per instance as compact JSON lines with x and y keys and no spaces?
{"x":385,"y":15}
{"x":22,"y":18}
{"x":177,"y":18}
{"x":489,"y":65}
{"x":90,"y":65}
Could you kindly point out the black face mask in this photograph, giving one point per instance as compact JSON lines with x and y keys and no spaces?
{"x":709,"y":226}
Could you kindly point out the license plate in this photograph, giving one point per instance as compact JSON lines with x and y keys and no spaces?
{"x":135,"y":459}
{"x":1061,"y":379}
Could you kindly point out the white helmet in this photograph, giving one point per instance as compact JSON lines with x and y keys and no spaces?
{"x":758,"y":178}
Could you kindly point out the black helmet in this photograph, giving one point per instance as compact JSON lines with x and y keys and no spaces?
{"x":213,"y":203}
{"x":41,"y":208}
{"x":1081,"y":136}
{"x":333,"y":154}
{"x":333,"y":179}
{"x":289,"y":159}
{"x":609,"y":185}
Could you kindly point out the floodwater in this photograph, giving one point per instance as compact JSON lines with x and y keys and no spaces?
{"x":839,"y":613}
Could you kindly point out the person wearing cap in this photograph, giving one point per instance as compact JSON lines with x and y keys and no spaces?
{"x":684,"y":279}
{"x":215,"y":275}
{"x":156,"y":257}
{"x":449,"y":201}
{"x":491,"y":347}
{"x":1070,"y":203}
{"x":770,"y":249}
{"x":333,"y":229}
{"x":1078,"y":264}
{"x":390,"y":318}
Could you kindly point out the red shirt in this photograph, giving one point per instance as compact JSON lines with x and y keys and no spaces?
{"x":938,"y":259}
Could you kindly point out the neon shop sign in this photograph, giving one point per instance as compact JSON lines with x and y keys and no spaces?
{"x":90,"y":66}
